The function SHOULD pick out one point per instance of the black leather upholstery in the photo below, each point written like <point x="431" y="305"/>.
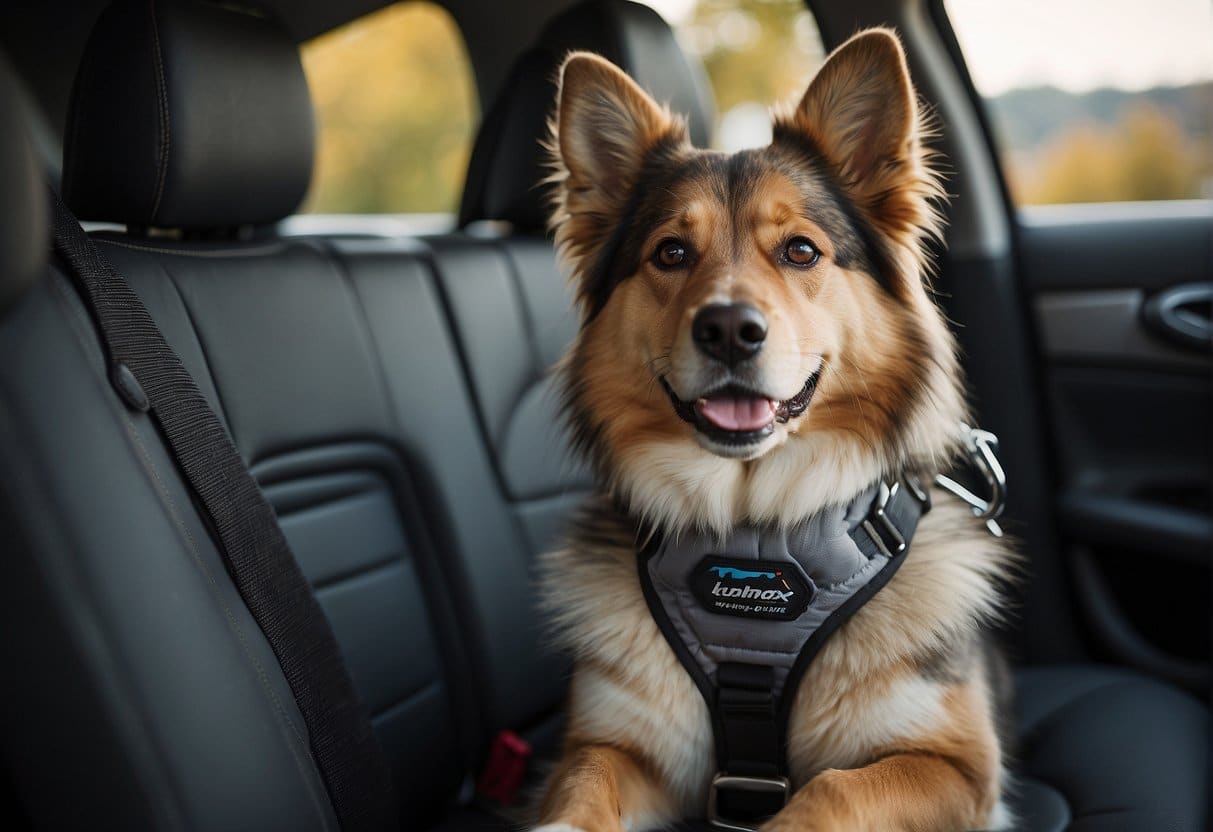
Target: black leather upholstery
<point x="147" y="695"/>
<point x="187" y="115"/>
<point x="1120" y="751"/>
<point x="23" y="207"/>
<point x="508" y="160"/>
<point x="287" y="336"/>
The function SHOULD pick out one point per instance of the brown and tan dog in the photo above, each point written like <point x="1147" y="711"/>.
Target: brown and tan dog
<point x="840" y="372"/>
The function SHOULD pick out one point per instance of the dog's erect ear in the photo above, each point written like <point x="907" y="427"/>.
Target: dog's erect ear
<point x="605" y="125"/>
<point x="861" y="112"/>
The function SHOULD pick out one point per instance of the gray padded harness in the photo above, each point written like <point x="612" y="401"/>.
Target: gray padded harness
<point x="746" y="616"/>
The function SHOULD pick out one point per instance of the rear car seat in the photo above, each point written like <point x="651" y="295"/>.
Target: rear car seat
<point x="397" y="419"/>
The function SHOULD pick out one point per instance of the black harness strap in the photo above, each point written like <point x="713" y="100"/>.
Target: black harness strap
<point x="150" y="377"/>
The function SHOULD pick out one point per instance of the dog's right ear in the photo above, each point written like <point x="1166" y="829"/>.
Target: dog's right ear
<point x="605" y="124"/>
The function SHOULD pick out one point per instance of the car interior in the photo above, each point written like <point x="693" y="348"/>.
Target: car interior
<point x="392" y="395"/>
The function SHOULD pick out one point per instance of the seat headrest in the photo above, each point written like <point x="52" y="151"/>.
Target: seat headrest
<point x="187" y="115"/>
<point x="24" y="220"/>
<point x="508" y="160"/>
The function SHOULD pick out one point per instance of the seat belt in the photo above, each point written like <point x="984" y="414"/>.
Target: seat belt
<point x="150" y="377"/>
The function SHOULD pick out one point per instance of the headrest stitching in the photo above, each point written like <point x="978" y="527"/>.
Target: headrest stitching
<point x="161" y="86"/>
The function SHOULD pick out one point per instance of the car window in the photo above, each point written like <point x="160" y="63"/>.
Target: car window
<point x="400" y="144"/>
<point x="396" y="108"/>
<point x="756" y="52"/>
<point x="1095" y="100"/>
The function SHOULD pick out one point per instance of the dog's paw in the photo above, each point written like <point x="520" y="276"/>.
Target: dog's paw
<point x="557" y="827"/>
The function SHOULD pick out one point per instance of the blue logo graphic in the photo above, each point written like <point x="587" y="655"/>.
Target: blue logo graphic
<point x="739" y="574"/>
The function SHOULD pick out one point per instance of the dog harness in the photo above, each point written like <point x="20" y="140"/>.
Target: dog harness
<point x="746" y="615"/>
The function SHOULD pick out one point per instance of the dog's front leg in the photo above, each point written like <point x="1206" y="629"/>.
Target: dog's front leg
<point x="922" y="792"/>
<point x="599" y="788"/>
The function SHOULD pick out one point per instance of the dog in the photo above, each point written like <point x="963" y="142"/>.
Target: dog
<point x="759" y="342"/>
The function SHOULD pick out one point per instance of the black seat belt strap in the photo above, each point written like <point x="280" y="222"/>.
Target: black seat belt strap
<point x="261" y="564"/>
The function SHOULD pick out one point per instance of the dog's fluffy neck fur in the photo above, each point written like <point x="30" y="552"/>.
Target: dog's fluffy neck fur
<point x="676" y="486"/>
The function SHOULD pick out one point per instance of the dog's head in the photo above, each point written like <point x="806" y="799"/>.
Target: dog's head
<point x="757" y="338"/>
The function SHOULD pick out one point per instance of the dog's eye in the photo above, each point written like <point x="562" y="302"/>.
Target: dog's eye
<point x="670" y="254"/>
<point x="800" y="252"/>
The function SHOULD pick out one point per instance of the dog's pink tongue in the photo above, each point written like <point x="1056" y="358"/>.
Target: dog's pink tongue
<point x="728" y="413"/>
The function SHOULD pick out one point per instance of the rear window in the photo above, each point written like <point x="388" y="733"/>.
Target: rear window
<point x="1095" y="100"/>
<point x="396" y="107"/>
<point x="756" y="52"/>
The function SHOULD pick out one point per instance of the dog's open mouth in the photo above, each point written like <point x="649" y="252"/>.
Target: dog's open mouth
<point x="737" y="416"/>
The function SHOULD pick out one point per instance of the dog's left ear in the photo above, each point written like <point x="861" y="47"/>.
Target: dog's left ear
<point x="861" y="112"/>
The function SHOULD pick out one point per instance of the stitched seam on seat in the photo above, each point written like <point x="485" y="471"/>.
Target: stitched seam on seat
<point x="359" y="572"/>
<point x="84" y="330"/>
<point x="424" y="556"/>
<point x="300" y="752"/>
<point x="1059" y="711"/>
<point x="221" y="410"/>
<point x="408" y="698"/>
<point x="320" y="502"/>
<point x="272" y="248"/>
<point x="262" y="676"/>
<point x="130" y="722"/>
<point x="529" y="325"/>
<point x="163" y="119"/>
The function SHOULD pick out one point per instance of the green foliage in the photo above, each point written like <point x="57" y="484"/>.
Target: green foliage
<point x="1144" y="155"/>
<point x="762" y="51"/>
<point x="396" y="106"/>
<point x="1106" y="145"/>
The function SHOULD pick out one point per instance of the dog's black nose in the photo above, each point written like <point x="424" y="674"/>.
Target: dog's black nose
<point x="729" y="332"/>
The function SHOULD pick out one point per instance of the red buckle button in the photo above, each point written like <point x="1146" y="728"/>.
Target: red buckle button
<point x="506" y="767"/>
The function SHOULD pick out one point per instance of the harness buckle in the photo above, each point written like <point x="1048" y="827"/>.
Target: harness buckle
<point x="758" y="799"/>
<point x="880" y="528"/>
<point x="981" y="450"/>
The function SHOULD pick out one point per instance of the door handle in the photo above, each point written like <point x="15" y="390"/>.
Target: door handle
<point x="1182" y="314"/>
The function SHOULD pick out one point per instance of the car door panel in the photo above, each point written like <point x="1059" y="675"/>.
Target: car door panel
<point x="1120" y="299"/>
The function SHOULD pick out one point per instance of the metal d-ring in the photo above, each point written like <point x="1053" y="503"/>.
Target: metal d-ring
<point x="981" y="448"/>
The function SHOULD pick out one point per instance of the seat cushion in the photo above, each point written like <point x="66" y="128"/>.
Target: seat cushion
<point x="1124" y="752"/>
<point x="1098" y="749"/>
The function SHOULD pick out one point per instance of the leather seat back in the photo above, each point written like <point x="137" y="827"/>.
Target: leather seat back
<point x="146" y="696"/>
